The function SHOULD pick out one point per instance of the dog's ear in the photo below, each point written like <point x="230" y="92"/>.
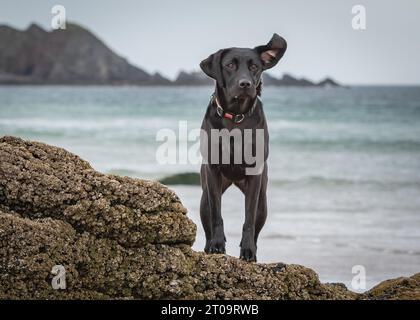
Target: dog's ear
<point x="272" y="52"/>
<point x="212" y="66"/>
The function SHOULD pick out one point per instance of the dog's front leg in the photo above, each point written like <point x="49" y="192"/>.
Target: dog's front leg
<point x="214" y="189"/>
<point x="252" y="191"/>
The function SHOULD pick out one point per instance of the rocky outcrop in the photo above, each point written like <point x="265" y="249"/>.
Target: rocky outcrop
<point x="403" y="288"/>
<point x="198" y="78"/>
<point x="70" y="56"/>
<point x="194" y="78"/>
<point x="288" y="80"/>
<point x="40" y="181"/>
<point x="118" y="237"/>
<point x="184" y="178"/>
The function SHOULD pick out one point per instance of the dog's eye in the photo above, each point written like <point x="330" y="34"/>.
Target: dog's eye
<point x="253" y="67"/>
<point x="231" y="65"/>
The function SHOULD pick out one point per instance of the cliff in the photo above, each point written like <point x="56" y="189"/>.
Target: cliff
<point x="70" y="56"/>
<point x="119" y="237"/>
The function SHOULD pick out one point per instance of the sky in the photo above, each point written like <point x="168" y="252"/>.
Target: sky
<point x="169" y="35"/>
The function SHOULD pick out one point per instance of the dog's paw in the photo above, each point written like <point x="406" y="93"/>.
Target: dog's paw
<point x="249" y="255"/>
<point x="217" y="246"/>
<point x="207" y="247"/>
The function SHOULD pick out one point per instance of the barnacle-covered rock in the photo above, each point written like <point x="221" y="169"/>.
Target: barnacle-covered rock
<point x="102" y="268"/>
<point x="37" y="181"/>
<point x="120" y="238"/>
<point x="403" y="288"/>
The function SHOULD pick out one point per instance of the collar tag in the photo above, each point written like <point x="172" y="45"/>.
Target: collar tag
<point x="228" y="115"/>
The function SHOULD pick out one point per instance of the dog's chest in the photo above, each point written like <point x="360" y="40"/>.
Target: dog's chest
<point x="236" y="145"/>
<point x="233" y="172"/>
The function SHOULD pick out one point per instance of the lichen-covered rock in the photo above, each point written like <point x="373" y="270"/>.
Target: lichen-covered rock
<point x="37" y="180"/>
<point x="403" y="288"/>
<point x="102" y="268"/>
<point x="118" y="238"/>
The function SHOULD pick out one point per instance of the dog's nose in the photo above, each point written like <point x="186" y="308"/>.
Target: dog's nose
<point x="244" y="83"/>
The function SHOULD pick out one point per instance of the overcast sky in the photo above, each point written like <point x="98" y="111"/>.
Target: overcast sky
<point x="170" y="35"/>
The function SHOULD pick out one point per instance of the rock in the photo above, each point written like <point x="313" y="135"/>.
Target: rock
<point x="99" y="267"/>
<point x="40" y="181"/>
<point x="328" y="82"/>
<point x="186" y="178"/>
<point x="70" y="56"/>
<point x="194" y="78"/>
<point x="290" y="81"/>
<point x="403" y="288"/>
<point x="119" y="238"/>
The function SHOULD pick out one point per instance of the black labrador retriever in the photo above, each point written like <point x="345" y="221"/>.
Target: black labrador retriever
<point x="235" y="107"/>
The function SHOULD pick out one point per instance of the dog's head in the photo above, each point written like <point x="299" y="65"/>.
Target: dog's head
<point x="237" y="71"/>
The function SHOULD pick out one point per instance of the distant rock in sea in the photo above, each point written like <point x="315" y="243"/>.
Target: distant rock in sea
<point x="70" y="56"/>
<point x="193" y="78"/>
<point x="289" y="81"/>
<point x="328" y="82"/>
<point x="187" y="178"/>
<point x="198" y="78"/>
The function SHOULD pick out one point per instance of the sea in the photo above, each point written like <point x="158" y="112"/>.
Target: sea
<point x="344" y="165"/>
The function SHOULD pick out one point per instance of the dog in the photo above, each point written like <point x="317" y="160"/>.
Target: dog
<point x="235" y="106"/>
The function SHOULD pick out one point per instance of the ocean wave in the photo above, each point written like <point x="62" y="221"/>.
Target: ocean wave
<point x="97" y="124"/>
<point x="341" y="244"/>
<point x="409" y="145"/>
<point x="125" y="172"/>
<point x="335" y="182"/>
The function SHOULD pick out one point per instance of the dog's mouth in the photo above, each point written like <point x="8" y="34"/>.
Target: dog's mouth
<point x="244" y="94"/>
<point x="242" y="98"/>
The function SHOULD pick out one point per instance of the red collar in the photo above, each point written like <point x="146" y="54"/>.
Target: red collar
<point x="236" y="118"/>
